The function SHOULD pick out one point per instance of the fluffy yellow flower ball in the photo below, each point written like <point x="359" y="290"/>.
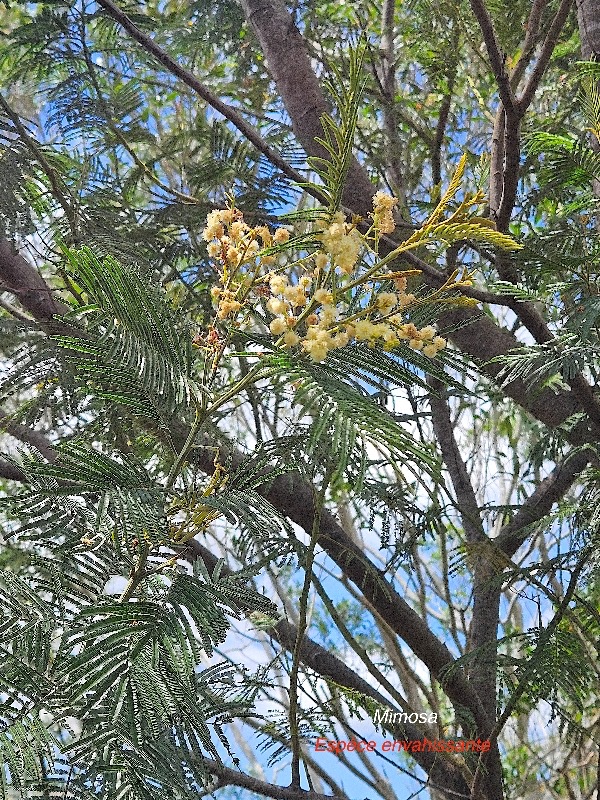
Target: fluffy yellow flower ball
<point x="281" y="236"/>
<point x="278" y="326"/>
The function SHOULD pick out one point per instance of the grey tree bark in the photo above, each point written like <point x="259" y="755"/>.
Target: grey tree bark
<point x="588" y="20"/>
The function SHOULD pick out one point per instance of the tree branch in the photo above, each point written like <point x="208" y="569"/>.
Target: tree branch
<point x="511" y="171"/>
<point x="465" y="495"/>
<point x="526" y="674"/>
<point x="588" y="18"/>
<point x="14" y="312"/>
<point x="532" y="36"/>
<point x="36" y="439"/>
<point x="440" y="132"/>
<point x="512" y="147"/>
<point x="497" y="163"/>
<point x="21" y="279"/>
<point x="497" y="59"/>
<point x="481" y="338"/>
<point x="332" y="668"/>
<point x="543" y="640"/>
<point x="539" y="503"/>
<point x="300" y="90"/>
<point x="440" y="128"/>
<point x="202" y="91"/>
<point x="486" y="592"/>
<point x="290" y="495"/>
<point x="390" y="120"/>
<point x="59" y="190"/>
<point x="11" y="472"/>
<point x="544" y="58"/>
<point x="231" y="777"/>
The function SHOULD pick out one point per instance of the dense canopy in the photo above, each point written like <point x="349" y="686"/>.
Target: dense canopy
<point x="299" y="325"/>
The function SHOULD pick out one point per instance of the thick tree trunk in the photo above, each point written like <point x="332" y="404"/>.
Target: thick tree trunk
<point x="289" y="64"/>
<point x="588" y="19"/>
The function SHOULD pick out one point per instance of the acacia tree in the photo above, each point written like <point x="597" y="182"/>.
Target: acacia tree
<point x="354" y="447"/>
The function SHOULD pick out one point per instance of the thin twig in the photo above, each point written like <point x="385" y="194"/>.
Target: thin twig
<point x="181" y="196"/>
<point x="538" y="504"/>
<point x="58" y="190"/>
<point x="390" y="120"/>
<point x="440" y="128"/>
<point x="137" y="575"/>
<point x="359" y="650"/>
<point x="231" y="777"/>
<point x="466" y="501"/>
<point x="14" y="312"/>
<point x="532" y="36"/>
<point x="318" y="500"/>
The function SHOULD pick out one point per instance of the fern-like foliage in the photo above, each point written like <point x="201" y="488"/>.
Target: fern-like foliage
<point x="127" y="673"/>
<point x="346" y="92"/>
<point x="113" y="688"/>
<point x="140" y="342"/>
<point x="106" y="628"/>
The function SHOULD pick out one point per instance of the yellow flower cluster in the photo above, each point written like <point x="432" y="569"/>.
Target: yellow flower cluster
<point x="321" y="331"/>
<point x="383" y="206"/>
<point x="328" y="327"/>
<point x="395" y="330"/>
<point x="233" y="243"/>
<point x="342" y="242"/>
<point x="231" y="240"/>
<point x="311" y="310"/>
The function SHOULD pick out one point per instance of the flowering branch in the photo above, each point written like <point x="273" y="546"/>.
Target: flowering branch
<point x="338" y="292"/>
